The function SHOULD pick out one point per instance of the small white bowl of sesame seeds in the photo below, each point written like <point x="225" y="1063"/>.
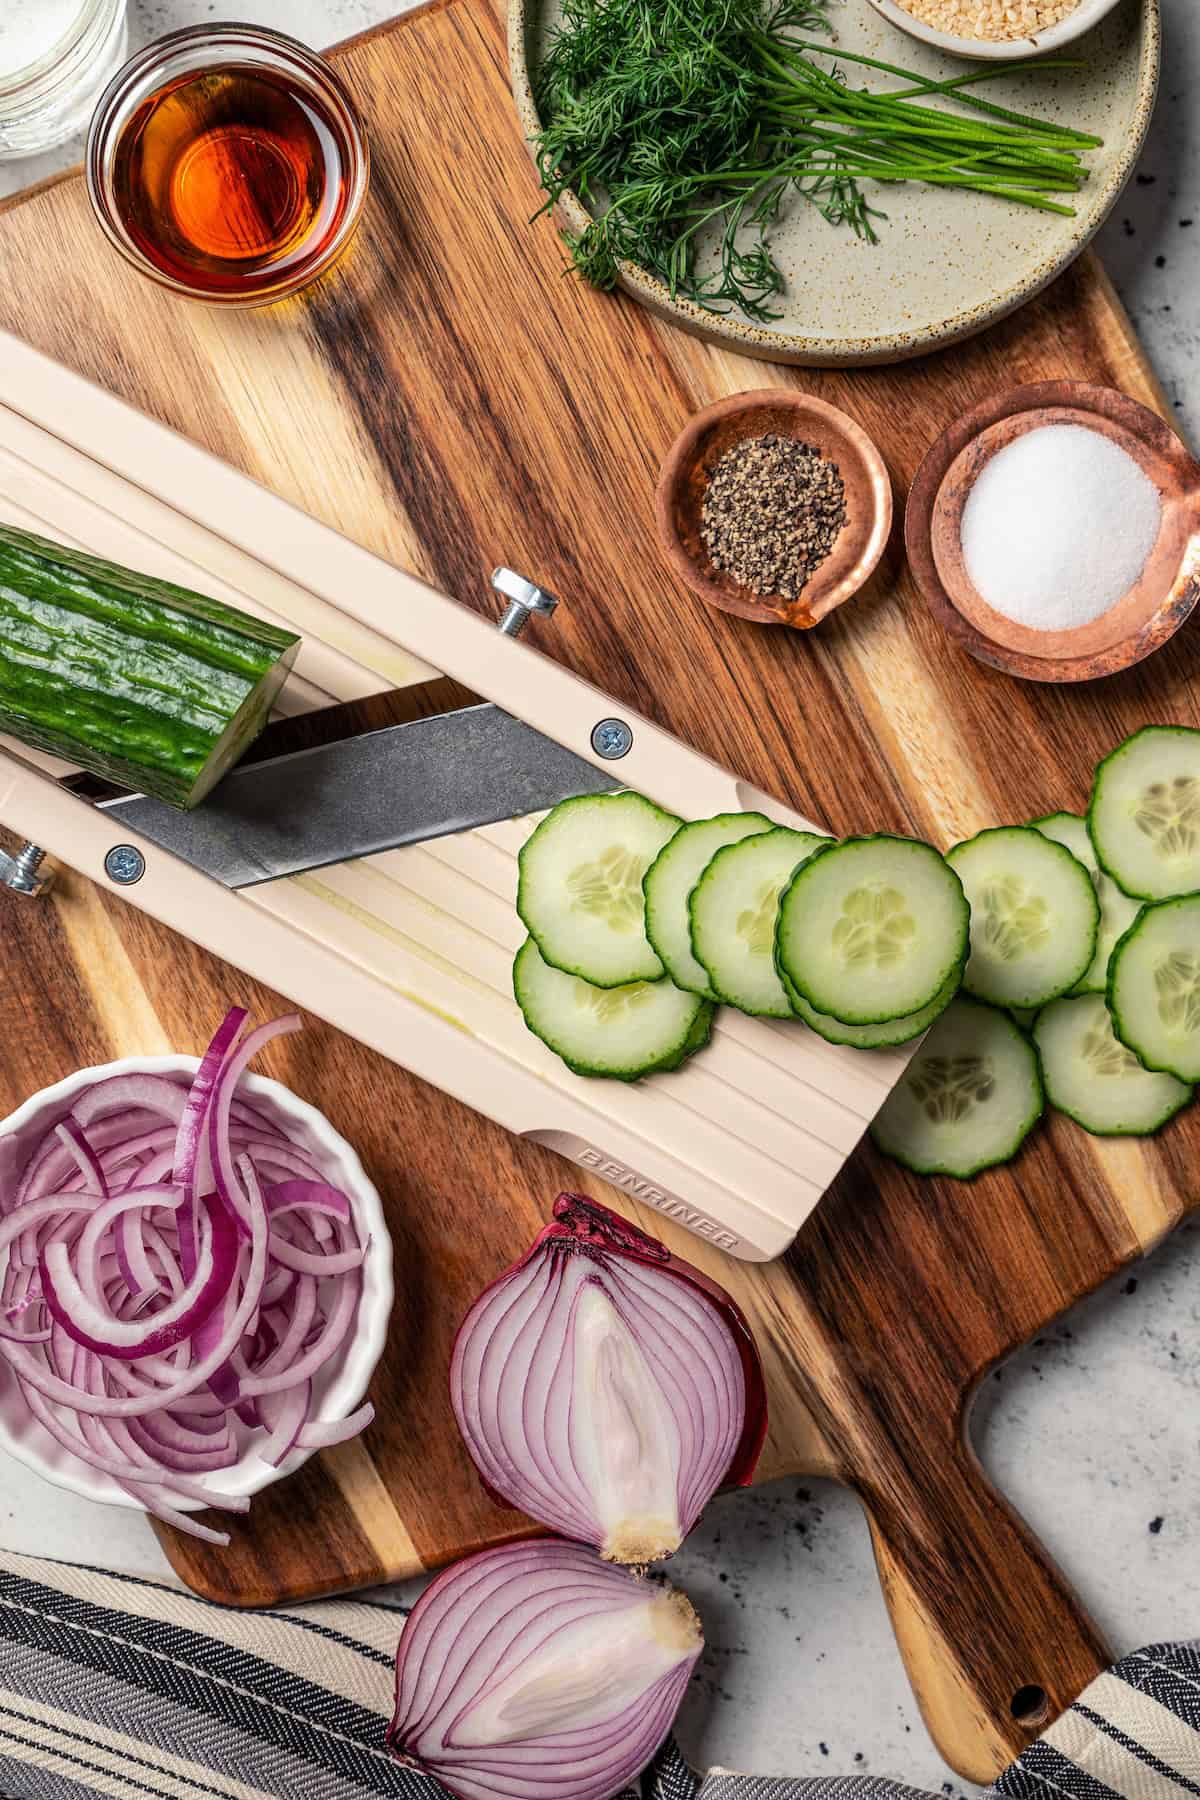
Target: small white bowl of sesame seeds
<point x="995" y="30"/>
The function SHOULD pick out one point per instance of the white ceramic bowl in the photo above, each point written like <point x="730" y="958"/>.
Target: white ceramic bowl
<point x="338" y="1389"/>
<point x="1043" y="43"/>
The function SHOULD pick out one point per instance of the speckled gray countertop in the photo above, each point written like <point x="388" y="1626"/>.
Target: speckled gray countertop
<point x="1093" y="1431"/>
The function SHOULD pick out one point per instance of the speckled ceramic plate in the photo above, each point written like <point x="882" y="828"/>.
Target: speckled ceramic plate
<point x="948" y="262"/>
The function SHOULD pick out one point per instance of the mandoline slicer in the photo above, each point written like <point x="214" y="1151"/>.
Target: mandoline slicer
<point x="411" y="950"/>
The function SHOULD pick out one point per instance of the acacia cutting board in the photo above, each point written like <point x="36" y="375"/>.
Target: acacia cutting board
<point x="450" y="400"/>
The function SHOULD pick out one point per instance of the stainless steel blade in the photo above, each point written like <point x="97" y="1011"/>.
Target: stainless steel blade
<point x="425" y="779"/>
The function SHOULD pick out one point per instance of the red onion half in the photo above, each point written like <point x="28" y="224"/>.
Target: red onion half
<point x="540" y="1671"/>
<point x="174" y="1274"/>
<point x="607" y="1388"/>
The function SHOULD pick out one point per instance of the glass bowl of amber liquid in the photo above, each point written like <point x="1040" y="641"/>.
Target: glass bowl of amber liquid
<point x="228" y="163"/>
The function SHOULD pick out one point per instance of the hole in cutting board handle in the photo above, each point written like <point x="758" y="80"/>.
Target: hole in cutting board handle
<point x="1030" y="1706"/>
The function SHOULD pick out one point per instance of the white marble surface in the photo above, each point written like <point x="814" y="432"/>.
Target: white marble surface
<point x="1092" y="1431"/>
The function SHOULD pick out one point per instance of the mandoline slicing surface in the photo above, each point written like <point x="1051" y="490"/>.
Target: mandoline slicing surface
<point x="449" y="400"/>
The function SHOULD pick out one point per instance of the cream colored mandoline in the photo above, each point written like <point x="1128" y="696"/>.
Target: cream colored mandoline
<point x="411" y="951"/>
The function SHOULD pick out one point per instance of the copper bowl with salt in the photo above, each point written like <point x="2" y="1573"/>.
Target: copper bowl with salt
<point x="786" y="412"/>
<point x="1138" y="623"/>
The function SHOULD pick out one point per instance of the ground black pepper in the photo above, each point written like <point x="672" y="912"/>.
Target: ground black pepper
<point x="772" y="512"/>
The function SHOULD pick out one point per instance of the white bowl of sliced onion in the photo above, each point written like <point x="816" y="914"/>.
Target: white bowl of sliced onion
<point x="174" y="1344"/>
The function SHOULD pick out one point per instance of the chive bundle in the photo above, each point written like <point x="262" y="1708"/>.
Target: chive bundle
<point x="685" y="124"/>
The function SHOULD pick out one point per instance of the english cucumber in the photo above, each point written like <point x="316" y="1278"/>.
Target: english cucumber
<point x="871" y="1037"/>
<point x="1117" y="910"/>
<point x="1154" y="987"/>
<point x="619" y="1032"/>
<point x="580" y="889"/>
<point x="873" y="929"/>
<point x="733" y="909"/>
<point x="668" y="886"/>
<point x="969" y="1098"/>
<point x="147" y="684"/>
<point x="1144" y="817"/>
<point x="1034" y="916"/>
<point x="1096" y="1080"/>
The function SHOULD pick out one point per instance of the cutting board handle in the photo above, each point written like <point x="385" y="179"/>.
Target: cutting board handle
<point x="995" y="1643"/>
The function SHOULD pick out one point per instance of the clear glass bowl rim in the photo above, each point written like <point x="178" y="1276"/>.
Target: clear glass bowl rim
<point x="231" y="42"/>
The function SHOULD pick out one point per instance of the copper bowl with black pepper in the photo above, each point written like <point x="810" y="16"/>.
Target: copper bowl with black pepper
<point x="773" y="513"/>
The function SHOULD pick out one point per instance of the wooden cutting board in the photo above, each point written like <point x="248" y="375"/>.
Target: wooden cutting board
<point x="449" y="399"/>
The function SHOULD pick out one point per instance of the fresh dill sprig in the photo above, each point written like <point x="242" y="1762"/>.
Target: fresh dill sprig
<point x="684" y="125"/>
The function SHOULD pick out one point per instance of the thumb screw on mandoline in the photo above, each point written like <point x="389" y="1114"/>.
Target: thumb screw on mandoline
<point x="23" y="873"/>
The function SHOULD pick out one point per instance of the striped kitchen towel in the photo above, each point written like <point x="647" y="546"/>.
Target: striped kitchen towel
<point x="114" y="1688"/>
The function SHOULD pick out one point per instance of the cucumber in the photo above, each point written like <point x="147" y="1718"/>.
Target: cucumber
<point x="697" y="1037"/>
<point x="147" y="684"/>
<point x="1035" y="917"/>
<point x="732" y="910"/>
<point x="1144" y="817"/>
<point x="871" y="1037"/>
<point x="668" y="885"/>
<point x="1117" y="910"/>
<point x="620" y="1032"/>
<point x="1154" y="987"/>
<point x="873" y="929"/>
<point x="1097" y="1081"/>
<point x="580" y="889"/>
<point x="969" y="1098"/>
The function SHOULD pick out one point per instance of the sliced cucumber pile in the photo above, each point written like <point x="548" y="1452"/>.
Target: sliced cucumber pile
<point x="1117" y="910"/>
<point x="873" y="929"/>
<point x="969" y="1098"/>
<point x="668" y="888"/>
<point x="580" y="891"/>
<point x="1076" y="942"/>
<point x="1154" y="987"/>
<point x="1034" y="916"/>
<point x="622" y="1032"/>
<point x="1094" y="1079"/>
<point x="733" y="910"/>
<point x="1144" y="819"/>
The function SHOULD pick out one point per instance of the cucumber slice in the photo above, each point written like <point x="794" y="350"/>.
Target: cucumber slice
<point x="1117" y="910"/>
<point x="1034" y="916"/>
<point x="969" y="1098"/>
<point x="1144" y="818"/>
<point x="1154" y="987"/>
<point x="580" y="889"/>
<point x="871" y="1037"/>
<point x="873" y="929"/>
<point x="697" y="1037"/>
<point x="621" y="1032"/>
<point x="733" y="908"/>
<point x="669" y="883"/>
<point x="1094" y="1079"/>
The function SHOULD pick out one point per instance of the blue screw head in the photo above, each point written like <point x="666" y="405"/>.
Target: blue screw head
<point x="124" y="864"/>
<point x="612" y="738"/>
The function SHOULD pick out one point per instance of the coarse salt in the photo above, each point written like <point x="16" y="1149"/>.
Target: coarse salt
<point x="1058" y="527"/>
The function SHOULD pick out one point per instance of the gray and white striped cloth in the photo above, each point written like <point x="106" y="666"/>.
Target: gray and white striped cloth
<point x="115" y="1688"/>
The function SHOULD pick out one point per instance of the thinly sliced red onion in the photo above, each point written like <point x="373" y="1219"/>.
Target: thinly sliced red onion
<point x="538" y="1670"/>
<point x="164" y="1248"/>
<point x="105" y="1334"/>
<point x="607" y="1388"/>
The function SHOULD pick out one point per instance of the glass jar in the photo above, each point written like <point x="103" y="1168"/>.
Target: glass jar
<point x="55" y="57"/>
